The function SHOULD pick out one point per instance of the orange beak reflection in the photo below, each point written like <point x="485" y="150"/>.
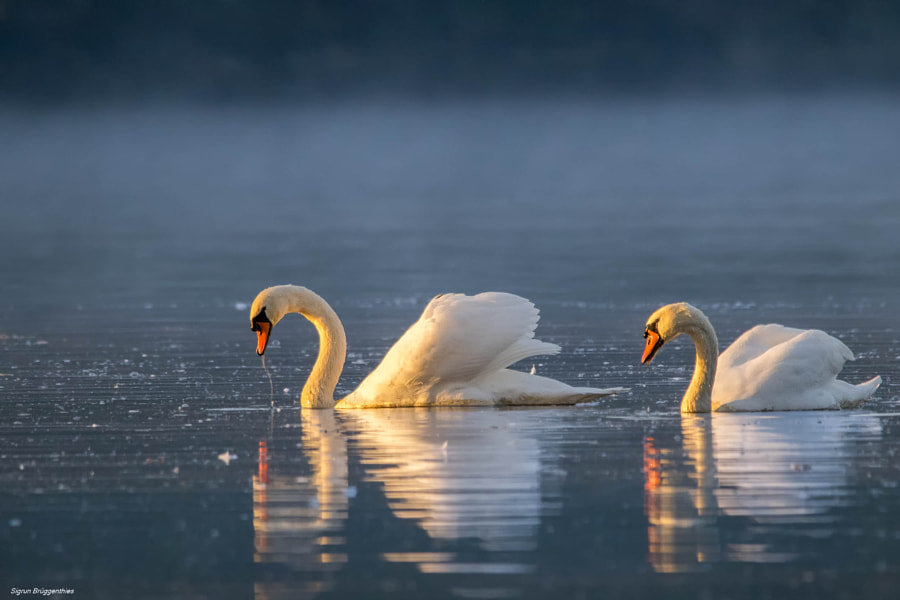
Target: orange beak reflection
<point x="654" y="343"/>
<point x="262" y="336"/>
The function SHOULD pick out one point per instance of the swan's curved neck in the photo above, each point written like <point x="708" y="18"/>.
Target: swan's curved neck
<point x="698" y="397"/>
<point x="318" y="392"/>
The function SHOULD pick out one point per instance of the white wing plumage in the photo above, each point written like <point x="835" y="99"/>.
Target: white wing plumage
<point x="755" y="342"/>
<point x="456" y="351"/>
<point x="772" y="367"/>
<point x="462" y="337"/>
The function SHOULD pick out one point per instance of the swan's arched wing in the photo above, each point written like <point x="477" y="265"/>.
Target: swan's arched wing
<point x="811" y="358"/>
<point x="756" y="341"/>
<point x="460" y="338"/>
<point x="796" y="373"/>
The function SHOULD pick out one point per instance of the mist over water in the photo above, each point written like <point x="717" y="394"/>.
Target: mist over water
<point x="775" y="198"/>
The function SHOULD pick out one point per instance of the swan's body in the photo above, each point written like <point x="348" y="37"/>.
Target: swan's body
<point x="769" y="367"/>
<point x="456" y="354"/>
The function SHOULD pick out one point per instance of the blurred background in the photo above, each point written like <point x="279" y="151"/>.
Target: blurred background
<point x="163" y="161"/>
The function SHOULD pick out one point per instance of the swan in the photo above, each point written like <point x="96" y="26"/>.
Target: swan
<point x="456" y="354"/>
<point x="769" y="367"/>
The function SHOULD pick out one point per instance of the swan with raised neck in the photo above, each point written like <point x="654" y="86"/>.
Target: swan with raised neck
<point x="456" y="354"/>
<point x="769" y="367"/>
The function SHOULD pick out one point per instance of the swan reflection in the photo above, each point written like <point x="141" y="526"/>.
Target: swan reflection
<point x="788" y="470"/>
<point x="455" y="474"/>
<point x="298" y="518"/>
<point x="679" y="501"/>
<point x="472" y="481"/>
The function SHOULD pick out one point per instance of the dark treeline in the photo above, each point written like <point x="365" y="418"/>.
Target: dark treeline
<point x="54" y="49"/>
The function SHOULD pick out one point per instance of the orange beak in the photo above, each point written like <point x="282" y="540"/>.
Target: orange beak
<point x="262" y="336"/>
<point x="654" y="343"/>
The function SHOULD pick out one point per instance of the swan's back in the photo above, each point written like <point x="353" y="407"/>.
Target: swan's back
<point x="772" y="367"/>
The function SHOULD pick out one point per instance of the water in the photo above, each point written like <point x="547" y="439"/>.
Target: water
<point x="138" y="452"/>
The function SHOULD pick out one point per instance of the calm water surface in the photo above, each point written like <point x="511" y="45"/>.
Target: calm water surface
<point x="139" y="456"/>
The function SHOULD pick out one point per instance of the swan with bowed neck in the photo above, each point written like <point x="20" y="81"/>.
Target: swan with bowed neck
<point x="769" y="367"/>
<point x="456" y="354"/>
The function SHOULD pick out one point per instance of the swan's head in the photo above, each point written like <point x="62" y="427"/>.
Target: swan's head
<point x="667" y="323"/>
<point x="267" y="310"/>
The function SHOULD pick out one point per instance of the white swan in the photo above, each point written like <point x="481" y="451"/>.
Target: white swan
<point x="456" y="354"/>
<point x="769" y="367"/>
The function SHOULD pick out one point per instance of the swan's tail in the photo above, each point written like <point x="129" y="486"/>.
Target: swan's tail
<point x="581" y="395"/>
<point x="600" y="392"/>
<point x="556" y="397"/>
<point x="864" y="392"/>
